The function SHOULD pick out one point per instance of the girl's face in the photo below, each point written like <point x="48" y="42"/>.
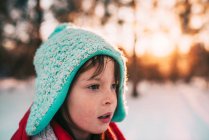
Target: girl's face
<point x="92" y="101"/>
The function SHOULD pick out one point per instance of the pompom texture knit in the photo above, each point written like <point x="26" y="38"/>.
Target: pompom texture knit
<point x="57" y="62"/>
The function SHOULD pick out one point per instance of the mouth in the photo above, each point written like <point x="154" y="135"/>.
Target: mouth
<point x="105" y="118"/>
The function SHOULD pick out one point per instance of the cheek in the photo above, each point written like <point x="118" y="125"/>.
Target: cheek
<point x="83" y="113"/>
<point x="115" y="102"/>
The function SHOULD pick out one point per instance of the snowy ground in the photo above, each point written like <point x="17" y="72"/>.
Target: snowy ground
<point x="162" y="112"/>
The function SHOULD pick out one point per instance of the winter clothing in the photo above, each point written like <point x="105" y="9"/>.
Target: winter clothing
<point x="57" y="62"/>
<point x="55" y="132"/>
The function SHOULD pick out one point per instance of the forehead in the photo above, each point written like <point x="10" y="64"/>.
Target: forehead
<point x="107" y="70"/>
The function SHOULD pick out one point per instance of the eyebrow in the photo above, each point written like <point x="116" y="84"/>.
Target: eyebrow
<point x="94" y="78"/>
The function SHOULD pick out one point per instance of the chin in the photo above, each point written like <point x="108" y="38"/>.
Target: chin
<point x="100" y="130"/>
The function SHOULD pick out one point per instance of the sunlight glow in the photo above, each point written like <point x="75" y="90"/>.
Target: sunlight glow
<point x="196" y="21"/>
<point x="185" y="43"/>
<point x="9" y="29"/>
<point x="9" y="45"/>
<point x="141" y="49"/>
<point x="47" y="28"/>
<point x="86" y="4"/>
<point x="158" y="45"/>
<point x="99" y="11"/>
<point x="45" y="4"/>
<point x="158" y="29"/>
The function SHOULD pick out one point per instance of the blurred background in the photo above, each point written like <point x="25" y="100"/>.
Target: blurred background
<point x="166" y="43"/>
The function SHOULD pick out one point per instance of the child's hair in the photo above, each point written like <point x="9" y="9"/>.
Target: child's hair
<point x="58" y="62"/>
<point x="99" y="62"/>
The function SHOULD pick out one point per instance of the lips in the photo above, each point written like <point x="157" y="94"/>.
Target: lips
<point x="105" y="118"/>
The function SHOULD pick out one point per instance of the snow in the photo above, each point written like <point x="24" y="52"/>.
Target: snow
<point x="168" y="112"/>
<point x="162" y="111"/>
<point x="15" y="98"/>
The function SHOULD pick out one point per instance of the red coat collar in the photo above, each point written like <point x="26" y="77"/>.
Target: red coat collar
<point x="112" y="133"/>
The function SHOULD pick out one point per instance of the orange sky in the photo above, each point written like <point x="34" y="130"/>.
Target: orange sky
<point x="158" y="29"/>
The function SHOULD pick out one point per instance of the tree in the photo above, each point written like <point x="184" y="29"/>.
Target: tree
<point x="134" y="74"/>
<point x="20" y="37"/>
<point x="199" y="61"/>
<point x="174" y="75"/>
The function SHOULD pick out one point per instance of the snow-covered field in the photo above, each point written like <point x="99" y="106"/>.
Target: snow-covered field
<point x="162" y="111"/>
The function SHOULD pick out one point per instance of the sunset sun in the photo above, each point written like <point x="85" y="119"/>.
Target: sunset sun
<point x="158" y="45"/>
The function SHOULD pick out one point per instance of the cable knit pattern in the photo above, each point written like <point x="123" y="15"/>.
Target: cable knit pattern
<point x="56" y="63"/>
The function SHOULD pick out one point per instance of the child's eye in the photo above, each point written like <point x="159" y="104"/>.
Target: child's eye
<point x="94" y="87"/>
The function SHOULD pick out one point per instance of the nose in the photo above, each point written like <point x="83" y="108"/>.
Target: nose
<point x="107" y="101"/>
<point x="109" y="97"/>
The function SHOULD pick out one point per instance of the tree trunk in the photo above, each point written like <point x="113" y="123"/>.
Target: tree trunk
<point x="134" y="64"/>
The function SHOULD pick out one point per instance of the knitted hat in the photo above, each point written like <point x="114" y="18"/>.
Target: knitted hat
<point x="57" y="62"/>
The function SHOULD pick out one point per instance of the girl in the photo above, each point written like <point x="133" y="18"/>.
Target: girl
<point x="79" y="89"/>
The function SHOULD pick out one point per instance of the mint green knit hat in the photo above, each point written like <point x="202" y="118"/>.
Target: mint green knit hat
<point x="57" y="62"/>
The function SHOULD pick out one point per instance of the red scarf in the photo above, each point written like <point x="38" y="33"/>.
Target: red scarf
<point x="112" y="133"/>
